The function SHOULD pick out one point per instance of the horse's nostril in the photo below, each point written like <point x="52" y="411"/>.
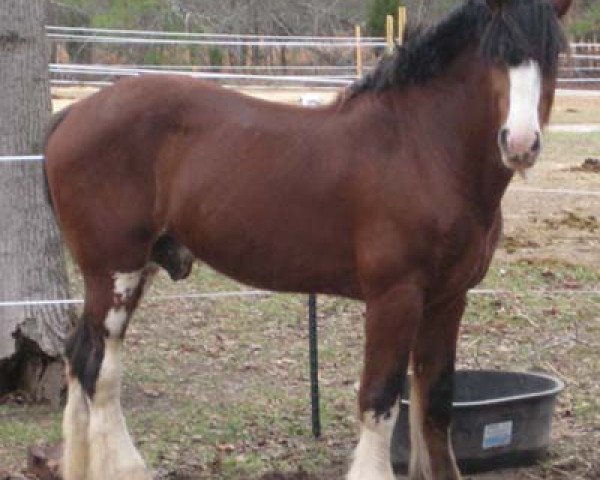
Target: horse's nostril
<point x="504" y="138"/>
<point x="537" y="145"/>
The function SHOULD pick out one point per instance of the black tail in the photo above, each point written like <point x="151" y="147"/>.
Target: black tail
<point x="53" y="124"/>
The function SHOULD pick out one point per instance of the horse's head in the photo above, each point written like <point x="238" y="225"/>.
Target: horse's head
<point x="524" y="40"/>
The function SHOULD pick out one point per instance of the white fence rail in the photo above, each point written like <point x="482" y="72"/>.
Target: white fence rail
<point x="51" y="29"/>
<point x="96" y="35"/>
<point x="582" y="64"/>
<point x="580" y="67"/>
<point x="145" y="37"/>
<point x="119" y="71"/>
<point x="212" y="42"/>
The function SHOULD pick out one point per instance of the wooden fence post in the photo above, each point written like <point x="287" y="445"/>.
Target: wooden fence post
<point x="359" y="60"/>
<point x="401" y="24"/>
<point x="389" y="33"/>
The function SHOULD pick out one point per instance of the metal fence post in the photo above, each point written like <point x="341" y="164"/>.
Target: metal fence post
<point x="314" y="364"/>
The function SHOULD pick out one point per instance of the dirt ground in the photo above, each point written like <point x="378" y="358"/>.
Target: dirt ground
<point x="218" y="388"/>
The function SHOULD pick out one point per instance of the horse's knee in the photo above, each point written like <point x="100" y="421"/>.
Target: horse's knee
<point x="171" y="255"/>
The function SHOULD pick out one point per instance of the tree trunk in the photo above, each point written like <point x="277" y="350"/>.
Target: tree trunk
<point x="31" y="253"/>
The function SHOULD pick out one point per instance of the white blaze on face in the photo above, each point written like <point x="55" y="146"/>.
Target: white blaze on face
<point x="522" y="128"/>
<point x="372" y="455"/>
<point x="525" y="95"/>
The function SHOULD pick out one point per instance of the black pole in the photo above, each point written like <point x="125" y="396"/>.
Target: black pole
<point x="314" y="364"/>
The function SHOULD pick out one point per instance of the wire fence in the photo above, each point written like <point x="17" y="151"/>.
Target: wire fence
<point x="54" y="29"/>
<point x="21" y="158"/>
<point x="213" y="42"/>
<point x="582" y="64"/>
<point x="121" y="71"/>
<point x="265" y="293"/>
<point x="581" y="70"/>
<point x="254" y="293"/>
<point x="580" y="67"/>
<point x="160" y="298"/>
<point x="210" y="52"/>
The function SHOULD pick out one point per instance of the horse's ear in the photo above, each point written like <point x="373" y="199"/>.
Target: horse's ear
<point x="494" y="4"/>
<point x="562" y="7"/>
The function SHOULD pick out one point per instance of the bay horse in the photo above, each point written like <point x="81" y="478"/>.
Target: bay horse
<point x="390" y="195"/>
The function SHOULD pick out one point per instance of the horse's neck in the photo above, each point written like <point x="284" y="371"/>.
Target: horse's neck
<point x="454" y="119"/>
<point x="469" y="111"/>
<point x="490" y="176"/>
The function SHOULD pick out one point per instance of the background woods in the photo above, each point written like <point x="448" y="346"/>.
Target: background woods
<point x="268" y="17"/>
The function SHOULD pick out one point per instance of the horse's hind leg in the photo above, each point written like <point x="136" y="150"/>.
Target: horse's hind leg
<point x="392" y="318"/>
<point x="97" y="444"/>
<point x="76" y="420"/>
<point x="432" y="386"/>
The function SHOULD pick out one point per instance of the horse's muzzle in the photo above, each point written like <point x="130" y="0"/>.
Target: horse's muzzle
<point x="519" y="151"/>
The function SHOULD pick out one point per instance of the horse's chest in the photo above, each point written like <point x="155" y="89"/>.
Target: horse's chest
<point x="466" y="253"/>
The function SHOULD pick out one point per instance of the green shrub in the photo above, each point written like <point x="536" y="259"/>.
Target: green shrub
<point x="378" y="11"/>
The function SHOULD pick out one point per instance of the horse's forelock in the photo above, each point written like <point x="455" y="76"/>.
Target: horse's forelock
<point x="524" y="29"/>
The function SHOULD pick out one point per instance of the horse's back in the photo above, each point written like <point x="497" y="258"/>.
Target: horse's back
<point x="239" y="181"/>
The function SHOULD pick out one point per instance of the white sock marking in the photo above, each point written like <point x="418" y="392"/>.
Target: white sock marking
<point x="372" y="455"/>
<point x="113" y="455"/>
<point x="115" y="321"/>
<point x="75" y="431"/>
<point x="420" y="461"/>
<point x="525" y="96"/>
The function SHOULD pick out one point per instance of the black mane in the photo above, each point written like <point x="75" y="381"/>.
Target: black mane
<point x="522" y="29"/>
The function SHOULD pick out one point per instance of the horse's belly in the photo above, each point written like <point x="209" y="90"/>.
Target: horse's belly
<point x="266" y="258"/>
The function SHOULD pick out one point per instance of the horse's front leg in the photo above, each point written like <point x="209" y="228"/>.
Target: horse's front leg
<point x="432" y="389"/>
<point x="97" y="444"/>
<point x="392" y="318"/>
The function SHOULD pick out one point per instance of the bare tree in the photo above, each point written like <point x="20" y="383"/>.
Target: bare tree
<point x="294" y="17"/>
<point x="427" y="12"/>
<point x="31" y="254"/>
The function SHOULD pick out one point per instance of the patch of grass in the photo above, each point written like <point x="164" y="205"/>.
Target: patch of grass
<point x="24" y="428"/>
<point x="576" y="110"/>
<point x="245" y="439"/>
<point x="561" y="147"/>
<point x="526" y="275"/>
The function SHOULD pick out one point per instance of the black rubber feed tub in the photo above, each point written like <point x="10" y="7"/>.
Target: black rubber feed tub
<point x="499" y="419"/>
